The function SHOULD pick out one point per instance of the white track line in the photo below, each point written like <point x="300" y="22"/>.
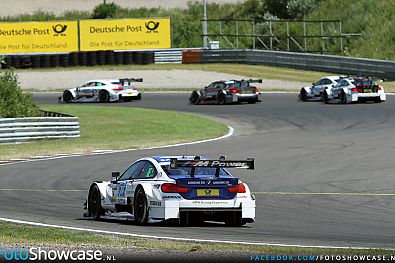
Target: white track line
<point x="174" y="238"/>
<point x="101" y="152"/>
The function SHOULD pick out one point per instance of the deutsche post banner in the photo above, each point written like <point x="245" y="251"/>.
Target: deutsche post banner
<point x="125" y="34"/>
<point x="38" y="37"/>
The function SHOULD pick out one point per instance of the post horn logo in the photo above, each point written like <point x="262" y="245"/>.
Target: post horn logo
<point x="207" y="191"/>
<point x="59" y="29"/>
<point x="152" y="26"/>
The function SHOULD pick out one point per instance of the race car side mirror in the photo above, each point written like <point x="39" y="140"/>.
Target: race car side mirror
<point x="114" y="176"/>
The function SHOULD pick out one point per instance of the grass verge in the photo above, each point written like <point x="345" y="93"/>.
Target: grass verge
<point x="16" y="233"/>
<point x="112" y="128"/>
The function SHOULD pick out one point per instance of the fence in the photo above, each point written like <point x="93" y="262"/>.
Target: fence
<point x="325" y="63"/>
<point x="15" y="130"/>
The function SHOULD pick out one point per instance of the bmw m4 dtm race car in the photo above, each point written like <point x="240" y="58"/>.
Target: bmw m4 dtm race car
<point x="314" y="92"/>
<point x="354" y="89"/>
<point x="103" y="90"/>
<point x="228" y="91"/>
<point x="176" y="189"/>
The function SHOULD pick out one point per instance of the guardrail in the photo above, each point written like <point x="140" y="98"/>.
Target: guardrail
<point x="326" y="63"/>
<point x="168" y="56"/>
<point x="15" y="130"/>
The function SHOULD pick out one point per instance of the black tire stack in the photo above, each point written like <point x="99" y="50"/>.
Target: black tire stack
<point x="101" y="57"/>
<point x="45" y="61"/>
<point x="128" y="58"/>
<point x="92" y="59"/>
<point x="83" y="58"/>
<point x="118" y="58"/>
<point x="110" y="57"/>
<point x="36" y="61"/>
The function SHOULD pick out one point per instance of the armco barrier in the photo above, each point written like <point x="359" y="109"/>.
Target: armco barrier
<point x="325" y="63"/>
<point x="13" y="130"/>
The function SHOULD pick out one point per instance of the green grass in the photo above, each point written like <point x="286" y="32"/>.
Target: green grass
<point x="16" y="233"/>
<point x="119" y="128"/>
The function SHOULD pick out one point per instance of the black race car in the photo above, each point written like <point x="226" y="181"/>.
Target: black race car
<point x="228" y="91"/>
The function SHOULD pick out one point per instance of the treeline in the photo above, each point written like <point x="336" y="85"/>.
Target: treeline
<point x="373" y="19"/>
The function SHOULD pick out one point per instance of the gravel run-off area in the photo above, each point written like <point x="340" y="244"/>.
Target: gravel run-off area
<point x="155" y="79"/>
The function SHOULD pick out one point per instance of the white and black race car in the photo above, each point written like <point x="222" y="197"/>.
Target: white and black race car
<point x="314" y="92"/>
<point x="103" y="90"/>
<point x="177" y="189"/>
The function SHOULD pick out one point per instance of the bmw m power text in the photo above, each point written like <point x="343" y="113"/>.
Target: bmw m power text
<point x="176" y="189"/>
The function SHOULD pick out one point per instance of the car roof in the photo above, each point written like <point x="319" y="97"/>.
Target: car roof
<point x="333" y="77"/>
<point x="108" y="81"/>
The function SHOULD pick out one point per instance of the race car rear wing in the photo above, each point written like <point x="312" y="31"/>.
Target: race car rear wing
<point x="218" y="164"/>
<point x="126" y="81"/>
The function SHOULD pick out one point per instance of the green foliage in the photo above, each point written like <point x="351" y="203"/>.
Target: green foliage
<point x="13" y="102"/>
<point x="105" y="11"/>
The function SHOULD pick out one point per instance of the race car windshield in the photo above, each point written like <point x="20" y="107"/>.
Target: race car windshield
<point x="199" y="171"/>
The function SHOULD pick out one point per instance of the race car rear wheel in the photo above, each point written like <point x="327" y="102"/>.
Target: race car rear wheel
<point x="303" y="95"/>
<point x="234" y="219"/>
<point x="94" y="203"/>
<point x="221" y="99"/>
<point x="138" y="97"/>
<point x="104" y="96"/>
<point x="140" y="207"/>
<point x="342" y="97"/>
<point x="195" y="98"/>
<point x="324" y="97"/>
<point x="67" y="96"/>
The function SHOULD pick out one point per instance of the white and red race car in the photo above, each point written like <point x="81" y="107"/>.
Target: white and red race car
<point x="103" y="90"/>
<point x="354" y="89"/>
<point x="177" y="189"/>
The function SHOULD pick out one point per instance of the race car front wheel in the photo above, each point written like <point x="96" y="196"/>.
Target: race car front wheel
<point x="343" y="97"/>
<point x="104" y="96"/>
<point x="67" y="96"/>
<point x="195" y="98"/>
<point x="94" y="203"/>
<point x="303" y="95"/>
<point x="140" y="207"/>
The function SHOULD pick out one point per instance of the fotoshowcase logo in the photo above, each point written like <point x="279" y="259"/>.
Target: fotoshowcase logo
<point x="40" y="254"/>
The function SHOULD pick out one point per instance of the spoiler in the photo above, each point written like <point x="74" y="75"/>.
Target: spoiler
<point x="250" y="80"/>
<point x="221" y="163"/>
<point x="128" y="81"/>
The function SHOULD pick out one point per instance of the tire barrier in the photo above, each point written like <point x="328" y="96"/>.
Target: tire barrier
<point x="64" y="60"/>
<point x="148" y="58"/>
<point x="128" y="58"/>
<point x="16" y="62"/>
<point x="73" y="59"/>
<point x="92" y="60"/>
<point x="7" y="62"/>
<point x="36" y="61"/>
<point x="55" y="60"/>
<point x="101" y="57"/>
<point x="45" y="61"/>
<point x="138" y="58"/>
<point x="83" y="58"/>
<point x="118" y="56"/>
<point x="110" y="57"/>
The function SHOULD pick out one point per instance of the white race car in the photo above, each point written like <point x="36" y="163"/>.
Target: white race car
<point x="103" y="90"/>
<point x="314" y="92"/>
<point x="354" y="89"/>
<point x="177" y="189"/>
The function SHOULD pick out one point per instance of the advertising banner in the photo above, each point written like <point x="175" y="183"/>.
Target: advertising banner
<point x="125" y="34"/>
<point x="38" y="37"/>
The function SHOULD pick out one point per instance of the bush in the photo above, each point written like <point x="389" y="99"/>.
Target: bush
<point x="13" y="102"/>
<point x="105" y="11"/>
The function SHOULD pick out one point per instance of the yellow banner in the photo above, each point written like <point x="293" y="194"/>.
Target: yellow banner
<point x="39" y="37"/>
<point x="125" y="34"/>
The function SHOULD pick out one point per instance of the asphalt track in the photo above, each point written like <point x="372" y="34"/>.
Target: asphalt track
<point x="323" y="177"/>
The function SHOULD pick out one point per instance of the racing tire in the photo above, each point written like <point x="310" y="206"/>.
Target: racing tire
<point x="94" y="203"/>
<point x="221" y="99"/>
<point x="195" y="100"/>
<point x="324" y="97"/>
<point x="140" y="207"/>
<point x="252" y="101"/>
<point x="127" y="99"/>
<point x="342" y="97"/>
<point x="303" y="95"/>
<point x="378" y="100"/>
<point x="235" y="219"/>
<point x="104" y="96"/>
<point x="67" y="96"/>
<point x="138" y="97"/>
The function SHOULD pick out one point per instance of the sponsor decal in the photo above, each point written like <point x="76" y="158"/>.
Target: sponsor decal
<point x="171" y="197"/>
<point x="152" y="26"/>
<point x="155" y="203"/>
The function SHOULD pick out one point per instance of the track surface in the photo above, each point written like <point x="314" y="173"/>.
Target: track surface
<point x="299" y="148"/>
